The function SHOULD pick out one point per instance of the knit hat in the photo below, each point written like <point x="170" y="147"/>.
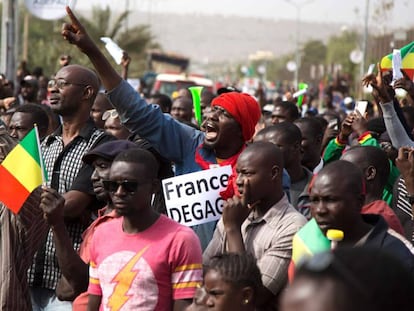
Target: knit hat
<point x="243" y="108"/>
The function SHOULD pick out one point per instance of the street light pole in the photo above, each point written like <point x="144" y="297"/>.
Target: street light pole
<point x="297" y="50"/>
<point x="9" y="39"/>
<point x="364" y="40"/>
<point x="298" y="7"/>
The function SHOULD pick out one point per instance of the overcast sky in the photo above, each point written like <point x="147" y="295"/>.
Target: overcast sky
<point x="339" y="11"/>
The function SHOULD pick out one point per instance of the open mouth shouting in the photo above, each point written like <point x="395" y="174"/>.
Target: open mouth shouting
<point x="211" y="131"/>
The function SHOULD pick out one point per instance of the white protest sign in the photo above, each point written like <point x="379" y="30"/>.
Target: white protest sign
<point x="49" y="9"/>
<point x="113" y="49"/>
<point x="194" y="198"/>
<point x="396" y="66"/>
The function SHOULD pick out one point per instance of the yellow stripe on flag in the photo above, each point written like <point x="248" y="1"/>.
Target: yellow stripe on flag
<point x="407" y="62"/>
<point x="299" y="249"/>
<point x="23" y="167"/>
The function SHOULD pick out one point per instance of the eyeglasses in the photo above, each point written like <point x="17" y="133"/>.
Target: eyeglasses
<point x="110" y="114"/>
<point x="128" y="185"/>
<point x="327" y="261"/>
<point x="221" y="111"/>
<point x="60" y="84"/>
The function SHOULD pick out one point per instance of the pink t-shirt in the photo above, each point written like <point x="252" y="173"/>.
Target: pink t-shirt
<point x="147" y="270"/>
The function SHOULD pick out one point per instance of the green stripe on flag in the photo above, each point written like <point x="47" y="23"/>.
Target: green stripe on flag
<point x="29" y="143"/>
<point x="313" y="237"/>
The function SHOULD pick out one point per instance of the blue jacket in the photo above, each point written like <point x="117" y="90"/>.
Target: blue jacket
<point x="172" y="139"/>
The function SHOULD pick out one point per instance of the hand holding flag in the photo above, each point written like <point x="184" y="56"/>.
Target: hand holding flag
<point x="21" y="172"/>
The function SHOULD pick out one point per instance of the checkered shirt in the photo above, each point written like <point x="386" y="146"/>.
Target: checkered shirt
<point x="62" y="164"/>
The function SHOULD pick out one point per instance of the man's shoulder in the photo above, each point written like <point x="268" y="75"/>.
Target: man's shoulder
<point x="383" y="237"/>
<point x="107" y="227"/>
<point x="99" y="136"/>
<point x="288" y="222"/>
<point x="293" y="218"/>
<point x="290" y="215"/>
<point x="171" y="226"/>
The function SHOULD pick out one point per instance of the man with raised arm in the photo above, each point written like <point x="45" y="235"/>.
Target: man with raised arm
<point x="227" y="129"/>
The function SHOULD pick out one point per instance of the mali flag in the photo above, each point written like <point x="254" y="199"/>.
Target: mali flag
<point x="21" y="172"/>
<point x="407" y="58"/>
<point x="308" y="241"/>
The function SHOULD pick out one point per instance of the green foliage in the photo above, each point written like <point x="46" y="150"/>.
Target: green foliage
<point x="45" y="43"/>
<point x="314" y="53"/>
<point x="338" y="50"/>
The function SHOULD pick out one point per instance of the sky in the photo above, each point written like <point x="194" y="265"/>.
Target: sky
<point x="347" y="12"/>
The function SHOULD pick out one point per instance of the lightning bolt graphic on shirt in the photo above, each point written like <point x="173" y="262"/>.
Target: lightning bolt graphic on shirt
<point x="124" y="279"/>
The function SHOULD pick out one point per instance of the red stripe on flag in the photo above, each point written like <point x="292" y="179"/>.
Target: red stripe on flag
<point x="12" y="192"/>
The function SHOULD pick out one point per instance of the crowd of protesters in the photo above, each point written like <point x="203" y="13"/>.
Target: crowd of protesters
<point x="97" y="235"/>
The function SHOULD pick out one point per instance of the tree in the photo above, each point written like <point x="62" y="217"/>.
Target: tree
<point x="136" y="41"/>
<point x="46" y="44"/>
<point x="338" y="50"/>
<point x="314" y="54"/>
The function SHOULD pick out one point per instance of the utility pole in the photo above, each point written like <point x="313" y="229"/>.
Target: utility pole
<point x="298" y="7"/>
<point x="9" y="39"/>
<point x="364" y="40"/>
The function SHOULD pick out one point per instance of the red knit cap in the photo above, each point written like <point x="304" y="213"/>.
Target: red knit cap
<point x="243" y="108"/>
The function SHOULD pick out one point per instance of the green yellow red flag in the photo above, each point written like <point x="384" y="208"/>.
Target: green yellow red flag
<point x="308" y="241"/>
<point x="21" y="172"/>
<point x="407" y="58"/>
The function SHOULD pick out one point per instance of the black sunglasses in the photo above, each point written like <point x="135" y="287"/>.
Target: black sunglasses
<point x="128" y="185"/>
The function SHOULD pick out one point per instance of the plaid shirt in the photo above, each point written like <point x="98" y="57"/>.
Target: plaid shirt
<point x="268" y="239"/>
<point x="63" y="164"/>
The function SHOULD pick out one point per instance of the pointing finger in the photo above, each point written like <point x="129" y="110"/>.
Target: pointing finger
<point x="73" y="18"/>
<point x="246" y="193"/>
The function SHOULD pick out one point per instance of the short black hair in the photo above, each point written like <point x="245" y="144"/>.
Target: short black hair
<point x="38" y="113"/>
<point x="140" y="156"/>
<point x="287" y="130"/>
<point x="290" y="107"/>
<point x="346" y="173"/>
<point x="315" y="126"/>
<point x="164" y="101"/>
<point x="238" y="269"/>
<point x="376" y="157"/>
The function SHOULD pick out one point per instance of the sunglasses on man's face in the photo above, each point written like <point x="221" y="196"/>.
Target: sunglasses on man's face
<point x="128" y="185"/>
<point x="109" y="114"/>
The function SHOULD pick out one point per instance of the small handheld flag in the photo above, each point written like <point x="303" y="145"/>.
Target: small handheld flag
<point x="407" y="58"/>
<point x="21" y="172"/>
<point x="196" y="94"/>
<point x="308" y="241"/>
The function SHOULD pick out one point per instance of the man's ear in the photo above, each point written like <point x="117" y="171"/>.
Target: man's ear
<point x="247" y="295"/>
<point x="275" y="171"/>
<point x="89" y="92"/>
<point x="370" y="173"/>
<point x="318" y="139"/>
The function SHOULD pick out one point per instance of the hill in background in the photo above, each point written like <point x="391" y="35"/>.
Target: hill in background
<point x="211" y="39"/>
